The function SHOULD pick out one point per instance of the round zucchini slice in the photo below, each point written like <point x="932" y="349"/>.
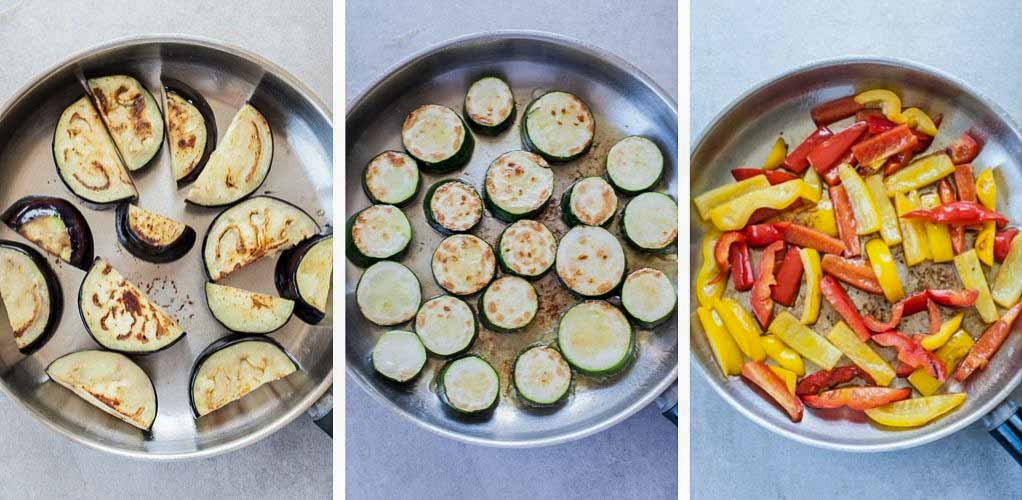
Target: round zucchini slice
<point x="590" y="201"/>
<point x="234" y="366"/>
<point x="55" y="225"/>
<point x="399" y="356"/>
<point x="558" y="126"/>
<point x="634" y="165"/>
<point x="446" y="326"/>
<point x="490" y="105"/>
<point x="376" y="233"/>
<point x="86" y="158"/>
<point x="31" y="295"/>
<point x="243" y="311"/>
<point x="463" y="264"/>
<point x="469" y="385"/>
<point x="648" y="297"/>
<point x="595" y="338"/>
<point x="541" y="376"/>
<point x="452" y="206"/>
<point x="239" y="164"/>
<point x="590" y="261"/>
<point x="131" y="116"/>
<point x="150" y="236"/>
<point x="109" y="381"/>
<point x="510" y="303"/>
<point x="527" y="249"/>
<point x="650" y="222"/>
<point x="517" y="185"/>
<point x="391" y="178"/>
<point x="304" y="274"/>
<point x="388" y="293"/>
<point x="437" y="138"/>
<point x="191" y="131"/>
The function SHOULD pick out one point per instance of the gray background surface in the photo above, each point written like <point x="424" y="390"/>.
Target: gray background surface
<point x="390" y="457"/>
<point x="735" y="45"/>
<point x="38" y="463"/>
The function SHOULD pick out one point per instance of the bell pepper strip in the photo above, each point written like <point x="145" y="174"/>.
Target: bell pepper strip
<point x="804" y="341"/>
<point x="964" y="149"/>
<point x="903" y="370"/>
<point x="1002" y="243"/>
<point x="783" y="355"/>
<point x="964" y="182"/>
<point x="832" y="177"/>
<point x="855" y="272"/>
<point x="934" y="315"/>
<point x="956" y="213"/>
<point x="798" y="160"/>
<point x="803" y="236"/>
<point x="722" y="250"/>
<point x="821" y="380"/>
<point x="741" y="326"/>
<point x="773" y="176"/>
<point x="741" y="267"/>
<point x="950" y="354"/>
<point x="827" y="153"/>
<point x="953" y="298"/>
<point x="986" y="189"/>
<point x="856" y="398"/>
<point x="778" y="152"/>
<point x="873" y="152"/>
<point x="888" y="102"/>
<point x="724" y="348"/>
<point x="911" y="353"/>
<point x="707" y="201"/>
<point x="886" y="271"/>
<point x="875" y="120"/>
<point x="760" y="374"/>
<point x="788" y="279"/>
<point x="970" y="273"/>
<point x="835" y="110"/>
<point x="821" y="218"/>
<point x="789" y="377"/>
<point x="944" y="332"/>
<point x="845" y="220"/>
<point x="917" y="303"/>
<point x="890" y="229"/>
<point x="839" y="300"/>
<point x="735" y="214"/>
<point x="914" y="243"/>
<point x="915" y="411"/>
<point x="937" y="235"/>
<point x="925" y="139"/>
<point x="988" y="344"/>
<point x="813" y="179"/>
<point x="761" y="235"/>
<point x="759" y="297"/>
<point x="897" y="162"/>
<point x="814" y="273"/>
<point x="918" y="120"/>
<point x="861" y="354"/>
<point x="948" y="196"/>
<point x="920" y="173"/>
<point x="864" y="207"/>
<point x="710" y="283"/>
<point x="1007" y="287"/>
<point x="986" y="242"/>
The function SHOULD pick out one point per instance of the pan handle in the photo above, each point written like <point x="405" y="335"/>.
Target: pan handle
<point x="1005" y="425"/>
<point x="322" y="412"/>
<point x="668" y="403"/>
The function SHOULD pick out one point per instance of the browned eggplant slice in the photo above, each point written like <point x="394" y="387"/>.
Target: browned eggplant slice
<point x="109" y="381"/>
<point x="191" y="130"/>
<point x="239" y="164"/>
<point x="55" y="225"/>
<point x="152" y="237"/>
<point x="132" y="117"/>
<point x="304" y="275"/>
<point x="232" y="367"/>
<point x="86" y="158"/>
<point x="31" y="295"/>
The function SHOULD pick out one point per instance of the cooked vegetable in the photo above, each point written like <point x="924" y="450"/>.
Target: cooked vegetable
<point x="723" y="345"/>
<point x="783" y="355"/>
<point x="835" y="110"/>
<point x="558" y="126"/>
<point x="517" y="186"/>
<point x="918" y="302"/>
<point x="452" y="206"/>
<point x="634" y="165"/>
<point x="234" y="366"/>
<point x="951" y="353"/>
<point x="109" y="381"/>
<point x="912" y="354"/>
<point x="304" y="274"/>
<point x="648" y="297"/>
<point x="948" y="328"/>
<point x="988" y="344"/>
<point x="916" y="411"/>
<point x="595" y="338"/>
<point x="885" y="269"/>
<point x="463" y="264"/>
<point x="437" y="138"/>
<point x="839" y="300"/>
<point x="399" y="356"/>
<point x="131" y="116"/>
<point x="958" y="213"/>
<point x="469" y="385"/>
<point x="948" y="197"/>
<point x="388" y="293"/>
<point x="711" y="278"/>
<point x="527" y="249"/>
<point x="890" y="231"/>
<point x="508" y="304"/>
<point x="827" y="154"/>
<point x="964" y="149"/>
<point x="915" y="242"/>
<point x="787" y="376"/>
<point x="919" y="173"/>
<point x="807" y="237"/>
<point x="541" y="376"/>
<point x="391" y="178"/>
<point x="819" y="381"/>
<point x="55" y="225"/>
<point x="864" y="207"/>
<point x="856" y="398"/>
<point x="86" y="158"/>
<point x="490" y="105"/>
<point x="590" y="201"/>
<point x="650" y="221"/>
<point x="759" y="297"/>
<point x="777" y="154"/>
<point x="857" y="350"/>
<point x="590" y="261"/>
<point x="938" y="236"/>
<point x="742" y="327"/>
<point x="243" y="311"/>
<point x="1007" y="287"/>
<point x="735" y="214"/>
<point x="377" y="232"/>
<point x="803" y="341"/>
<point x="713" y="198"/>
<point x="31" y="295"/>
<point x="760" y="374"/>
<point x="789" y="279"/>
<point x="855" y="272"/>
<point x="446" y="326"/>
<point x="239" y="164"/>
<point x="970" y="272"/>
<point x="845" y="218"/>
<point x="191" y="131"/>
<point x="813" y="272"/>
<point x="152" y="237"/>
<point x="798" y="160"/>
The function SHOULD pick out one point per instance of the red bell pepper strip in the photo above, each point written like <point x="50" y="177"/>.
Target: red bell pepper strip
<point x="789" y="279"/>
<point x="988" y="344"/>
<point x="903" y="370"/>
<point x="897" y="162"/>
<point x="875" y="120"/>
<point x="953" y="298"/>
<point x="965" y="182"/>
<point x="839" y="300"/>
<point x="964" y="149"/>
<point x="958" y="213"/>
<point x="759" y="297"/>
<point x="845" y="221"/>
<point x="761" y="235"/>
<point x="855" y="272"/>
<point x="776" y="176"/>
<point x="798" y="160"/>
<point x="825" y="379"/>
<point x="827" y="153"/>
<point x="917" y="303"/>
<point x="807" y="237"/>
<point x="832" y="111"/>
<point x="947" y="196"/>
<point x="876" y="149"/>
<point x="760" y="374"/>
<point x="831" y="177"/>
<point x="1002" y="243"/>
<point x="911" y="352"/>
<point x="856" y="398"/>
<point x="934" y="313"/>
<point x="741" y="267"/>
<point x="722" y="251"/>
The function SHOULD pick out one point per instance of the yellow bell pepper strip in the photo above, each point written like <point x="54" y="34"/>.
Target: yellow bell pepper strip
<point x="804" y="341"/>
<point x="890" y="230"/>
<point x="985" y="243"/>
<point x="710" y="284"/>
<point x="789" y="377"/>
<point x="882" y="262"/>
<point x="919" y="173"/>
<point x="864" y="207"/>
<point x="813" y="273"/>
<point x="860" y="353"/>
<point x="888" y="102"/>
<point x="916" y="411"/>
<point x="914" y="243"/>
<point x="783" y="355"/>
<point x="937" y="235"/>
<point x="986" y="189"/>
<point x="950" y="354"/>
<point x="971" y="275"/>
<point x="741" y="326"/>
<point x="947" y="329"/>
<point x="734" y="214"/>
<point x="820" y="217"/>
<point x="724" y="348"/>
<point x="1007" y="286"/>
<point x="915" y="118"/>
<point x="715" y="197"/>
<point x="778" y="152"/>
<point x="813" y="179"/>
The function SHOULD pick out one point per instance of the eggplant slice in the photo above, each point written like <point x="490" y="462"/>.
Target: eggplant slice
<point x="152" y="237"/>
<point x="120" y="317"/>
<point x="234" y="366"/>
<point x="109" y="381"/>
<point x="243" y="311"/>
<point x="258" y="227"/>
<point x="31" y="295"/>
<point x="304" y="274"/>
<point x="55" y="225"/>
<point x="191" y="130"/>
<point x="86" y="158"/>
<point x="239" y="164"/>
<point x="131" y="116"/>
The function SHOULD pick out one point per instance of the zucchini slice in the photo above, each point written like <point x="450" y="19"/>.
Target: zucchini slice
<point x="650" y="221"/>
<point x="191" y="131"/>
<point x="109" y="381"/>
<point x="509" y="303"/>
<point x="558" y="126"/>
<point x="469" y="385"/>
<point x="490" y="105"/>
<point x="258" y="227"/>
<point x="239" y="164"/>
<point x="634" y="165"/>
<point x="152" y="237"/>
<point x="31" y="295"/>
<point x="541" y="376"/>
<point x="391" y="178"/>
<point x="377" y="232"/>
<point x="55" y="225"/>
<point x="452" y="206"/>
<point x="463" y="264"/>
<point x="517" y="185"/>
<point x="595" y="338"/>
<point x="527" y="249"/>
<point x="86" y="158"/>
<point x="399" y="356"/>
<point x="388" y="293"/>
<point x="648" y="297"/>
<point x="120" y="317"/>
<point x="446" y="325"/>
<point x="131" y="116"/>
<point x="590" y="201"/>
<point x="234" y="366"/>
<point x="437" y="138"/>
<point x="304" y="274"/>
<point x="243" y="311"/>
<point x="590" y="261"/>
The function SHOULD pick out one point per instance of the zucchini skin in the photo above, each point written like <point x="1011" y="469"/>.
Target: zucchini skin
<point x="143" y="250"/>
<point x="506" y="216"/>
<point x="427" y="207"/>
<point x="568" y="216"/>
<point x="285" y="278"/>
<point x="628" y="239"/>
<point x="490" y="130"/>
<point x="632" y="192"/>
<point x="485" y="320"/>
<point x="531" y="146"/>
<point x="195" y="98"/>
<point x="360" y="259"/>
<point x="507" y="269"/>
<point x="613" y="370"/>
<point x="369" y="193"/>
<point x="531" y="402"/>
<point x="442" y="390"/>
<point x="56" y="294"/>
<point x="454" y="162"/>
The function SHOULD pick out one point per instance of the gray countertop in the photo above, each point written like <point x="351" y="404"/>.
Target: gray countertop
<point x="38" y="463"/>
<point x="388" y="456"/>
<point x="737" y="44"/>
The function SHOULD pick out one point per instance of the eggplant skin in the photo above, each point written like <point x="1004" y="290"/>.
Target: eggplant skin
<point x="53" y="287"/>
<point x="224" y="343"/>
<point x="195" y="99"/>
<point x="285" y="277"/>
<point x="31" y="207"/>
<point x="137" y="245"/>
